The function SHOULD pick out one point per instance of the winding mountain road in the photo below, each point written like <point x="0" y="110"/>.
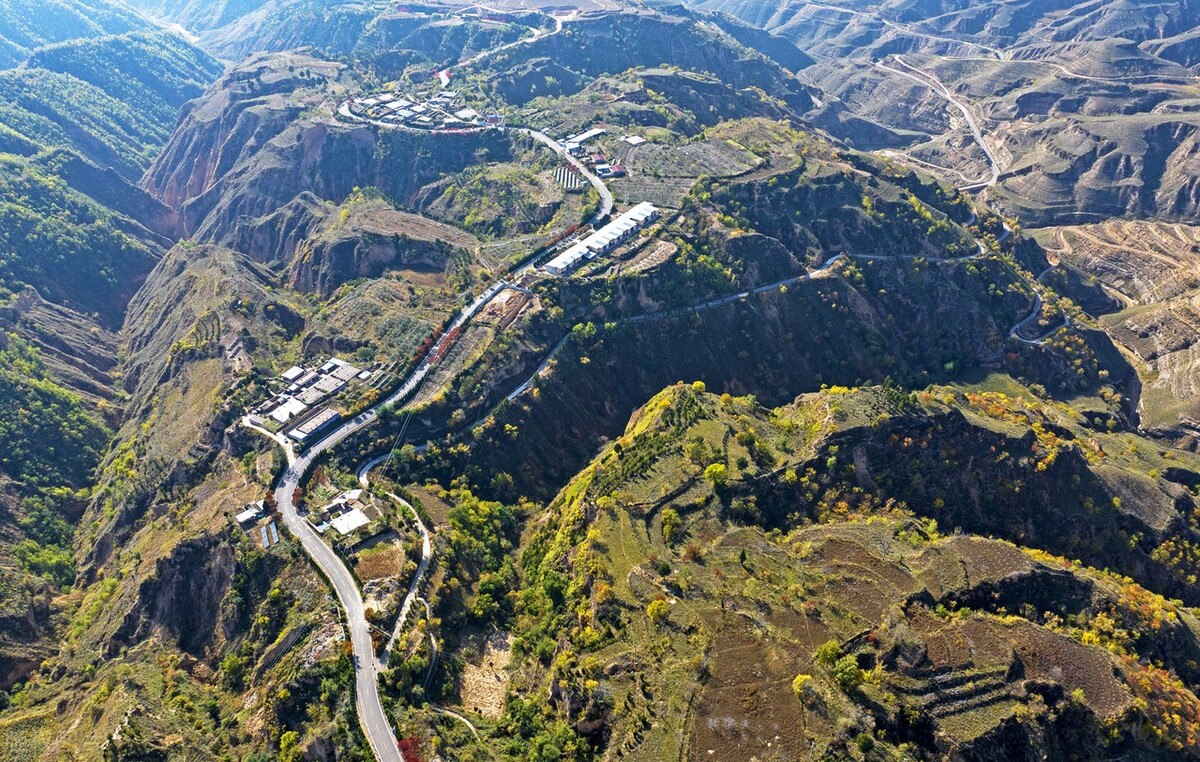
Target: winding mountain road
<point x="538" y="34"/>
<point x="909" y="29"/>
<point x="371" y="714"/>
<point x="367" y="667"/>
<point x="606" y="198"/>
<point x="933" y="83"/>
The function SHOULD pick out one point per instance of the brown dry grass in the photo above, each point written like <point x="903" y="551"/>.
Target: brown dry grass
<point x="383" y="561"/>
<point x="484" y="679"/>
<point x="747" y="707"/>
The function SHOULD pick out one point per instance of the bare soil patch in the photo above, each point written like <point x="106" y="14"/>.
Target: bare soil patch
<point x="484" y="676"/>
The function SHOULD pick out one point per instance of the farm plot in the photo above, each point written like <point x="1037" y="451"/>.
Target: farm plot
<point x="484" y="676"/>
<point x="382" y="561"/>
<point x="750" y="678"/>
<point x="713" y="157"/>
<point x="663" y="174"/>
<point x="663" y="192"/>
<point x="1151" y="268"/>
<point x="474" y="341"/>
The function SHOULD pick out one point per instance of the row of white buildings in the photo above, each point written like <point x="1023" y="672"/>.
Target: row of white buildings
<point x="604" y="240"/>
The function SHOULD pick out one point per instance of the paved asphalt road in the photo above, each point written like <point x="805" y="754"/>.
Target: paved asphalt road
<point x="606" y="199"/>
<point x="371" y="714"/>
<point x="933" y="83"/>
<point x="366" y="667"/>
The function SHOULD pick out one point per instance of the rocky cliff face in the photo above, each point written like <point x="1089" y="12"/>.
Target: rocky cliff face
<point x="323" y="265"/>
<point x="275" y="237"/>
<point x="183" y="599"/>
<point x="243" y="112"/>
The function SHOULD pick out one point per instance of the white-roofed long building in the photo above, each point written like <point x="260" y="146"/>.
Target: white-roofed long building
<point x="605" y="239"/>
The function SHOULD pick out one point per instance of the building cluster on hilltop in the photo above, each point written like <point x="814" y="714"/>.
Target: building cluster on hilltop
<point x="441" y="112"/>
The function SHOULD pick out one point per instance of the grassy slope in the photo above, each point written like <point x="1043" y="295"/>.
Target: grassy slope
<point x="746" y="608"/>
<point x="28" y="24"/>
<point x="98" y="89"/>
<point x="209" y="645"/>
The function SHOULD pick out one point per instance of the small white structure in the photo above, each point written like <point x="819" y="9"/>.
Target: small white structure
<point x="319" y="420"/>
<point x="329" y="385"/>
<point x="584" y="137"/>
<point x="251" y="514"/>
<point x="466" y="114"/>
<point x="568" y="259"/>
<point x="350" y="521"/>
<point x="292" y="373"/>
<point x="345" y="372"/>
<point x="291" y="408"/>
<point x="634" y="140"/>
<point x="311" y="395"/>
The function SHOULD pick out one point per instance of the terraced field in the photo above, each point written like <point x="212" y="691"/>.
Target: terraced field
<point x="1153" y="270"/>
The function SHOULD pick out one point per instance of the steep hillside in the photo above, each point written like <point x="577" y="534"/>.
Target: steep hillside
<point x="51" y="439"/>
<point x="93" y="99"/>
<point x="386" y="39"/>
<point x="197" y="15"/>
<point x="727" y="580"/>
<point x="247" y="149"/>
<point x="112" y="99"/>
<point x="26" y="25"/>
<point x="188" y="638"/>
<point x="1084" y="107"/>
<point x="917" y="299"/>
<point x="73" y="250"/>
<point x="611" y="44"/>
<point x="158" y="71"/>
<point x="940" y="26"/>
<point x="1149" y="269"/>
